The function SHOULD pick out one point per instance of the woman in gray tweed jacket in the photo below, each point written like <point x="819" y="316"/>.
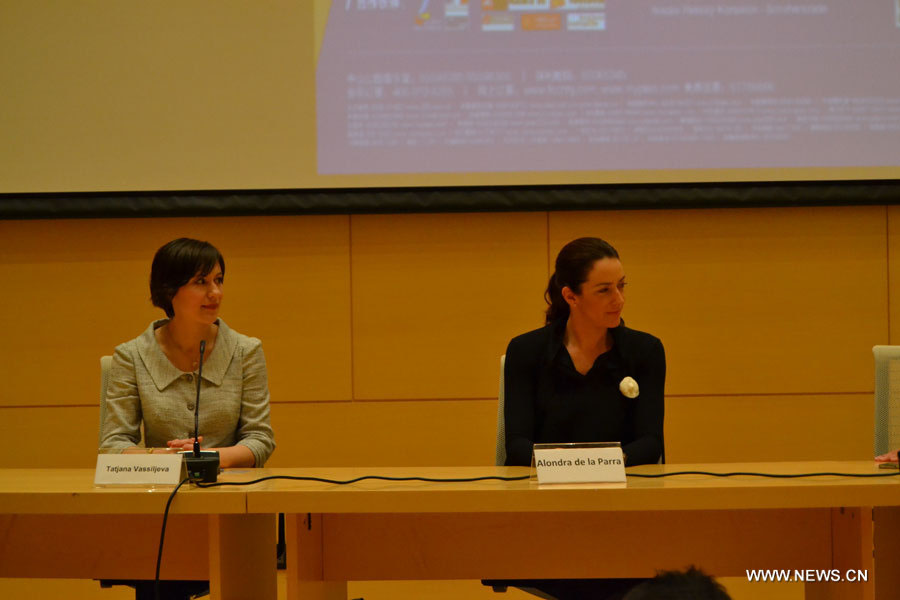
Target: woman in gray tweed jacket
<point x="153" y="377"/>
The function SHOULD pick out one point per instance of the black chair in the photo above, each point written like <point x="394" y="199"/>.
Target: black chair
<point x="169" y="590"/>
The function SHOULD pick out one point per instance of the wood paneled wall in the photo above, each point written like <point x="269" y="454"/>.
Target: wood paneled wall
<point x="383" y="332"/>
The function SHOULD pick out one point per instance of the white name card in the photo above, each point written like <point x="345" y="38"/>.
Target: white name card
<point x="138" y="469"/>
<point x="579" y="463"/>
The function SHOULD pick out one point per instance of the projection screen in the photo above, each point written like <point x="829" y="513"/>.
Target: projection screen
<point x="606" y="86"/>
<point x="343" y="96"/>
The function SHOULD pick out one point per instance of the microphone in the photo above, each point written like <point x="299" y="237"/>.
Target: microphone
<point x="197" y="402"/>
<point x="201" y="466"/>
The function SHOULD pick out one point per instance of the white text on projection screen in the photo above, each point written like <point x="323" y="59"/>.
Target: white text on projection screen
<point x="413" y="86"/>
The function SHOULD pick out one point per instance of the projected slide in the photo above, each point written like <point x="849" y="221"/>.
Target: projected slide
<point x="447" y="86"/>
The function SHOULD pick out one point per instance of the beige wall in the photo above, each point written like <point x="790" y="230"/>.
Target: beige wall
<point x="383" y="332"/>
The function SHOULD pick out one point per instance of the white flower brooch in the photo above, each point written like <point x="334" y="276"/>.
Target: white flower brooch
<point x="629" y="388"/>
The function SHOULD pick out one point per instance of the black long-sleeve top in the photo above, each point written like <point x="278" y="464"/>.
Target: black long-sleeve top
<point x="548" y="401"/>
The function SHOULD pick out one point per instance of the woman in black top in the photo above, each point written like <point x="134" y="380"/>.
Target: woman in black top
<point x="569" y="381"/>
<point x="585" y="377"/>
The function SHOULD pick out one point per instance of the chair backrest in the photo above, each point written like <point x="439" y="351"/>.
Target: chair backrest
<point x="500" y="456"/>
<point x="887" y="398"/>
<point x="105" y="363"/>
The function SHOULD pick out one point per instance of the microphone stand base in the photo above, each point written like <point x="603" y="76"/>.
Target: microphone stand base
<point x="203" y="468"/>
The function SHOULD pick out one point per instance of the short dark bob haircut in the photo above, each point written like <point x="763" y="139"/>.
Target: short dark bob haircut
<point x="175" y="264"/>
<point x="573" y="264"/>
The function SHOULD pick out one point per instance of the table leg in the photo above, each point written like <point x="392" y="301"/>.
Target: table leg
<point x="242" y="561"/>
<point x="887" y="551"/>
<point x="305" y="564"/>
<point x="852" y="558"/>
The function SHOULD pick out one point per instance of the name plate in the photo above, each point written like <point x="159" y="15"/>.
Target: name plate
<point x="600" y="462"/>
<point x="138" y="469"/>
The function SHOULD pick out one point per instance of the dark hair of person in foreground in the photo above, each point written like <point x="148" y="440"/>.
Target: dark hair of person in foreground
<point x="692" y="584"/>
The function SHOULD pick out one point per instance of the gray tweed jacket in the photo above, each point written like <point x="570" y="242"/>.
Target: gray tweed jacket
<point x="234" y="398"/>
